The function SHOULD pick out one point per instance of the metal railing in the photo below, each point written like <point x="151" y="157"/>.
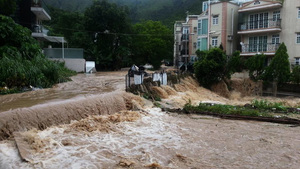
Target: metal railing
<point x="263" y="47"/>
<point x="37" y="28"/>
<point x="70" y="53"/>
<point x="185" y="37"/>
<point x="260" y="24"/>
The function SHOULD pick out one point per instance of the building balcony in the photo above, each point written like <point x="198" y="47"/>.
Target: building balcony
<point x="261" y="7"/>
<point x="185" y="37"/>
<point x="261" y="26"/>
<point x="184" y="52"/>
<point x="37" y="31"/>
<point x="253" y="49"/>
<point x="39" y="8"/>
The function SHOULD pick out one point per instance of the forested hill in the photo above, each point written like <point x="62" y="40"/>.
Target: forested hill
<point x="166" y="11"/>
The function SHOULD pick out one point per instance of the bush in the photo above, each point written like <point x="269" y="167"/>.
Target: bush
<point x="22" y="62"/>
<point x="279" y="68"/>
<point x="295" y="76"/>
<point x="256" y="66"/>
<point x="210" y="68"/>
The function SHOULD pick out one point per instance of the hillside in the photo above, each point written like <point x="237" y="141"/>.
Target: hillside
<point x="166" y="11"/>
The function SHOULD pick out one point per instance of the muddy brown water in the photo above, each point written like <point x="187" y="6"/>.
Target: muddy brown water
<point x="81" y="85"/>
<point x="154" y="139"/>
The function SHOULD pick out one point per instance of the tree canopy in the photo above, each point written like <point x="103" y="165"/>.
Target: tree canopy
<point x="279" y="68"/>
<point x="21" y="60"/>
<point x="211" y="68"/>
<point x="152" y="43"/>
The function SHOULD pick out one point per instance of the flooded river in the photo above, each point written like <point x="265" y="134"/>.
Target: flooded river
<point x="101" y="135"/>
<point x="81" y="85"/>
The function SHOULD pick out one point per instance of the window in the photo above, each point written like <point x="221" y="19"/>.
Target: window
<point x="215" y="20"/>
<point x="297" y="61"/>
<point x="202" y="26"/>
<point x="204" y="6"/>
<point x="298" y="13"/>
<point x="275" y="39"/>
<point x="185" y="30"/>
<point x="276" y="15"/>
<point x="258" y="44"/>
<point x="258" y="21"/>
<point x="199" y="27"/>
<point x="298" y="38"/>
<point x="199" y="44"/>
<point x="214" y="41"/>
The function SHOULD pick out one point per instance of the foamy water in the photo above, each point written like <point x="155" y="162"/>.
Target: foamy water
<point x="170" y="141"/>
<point x="154" y="138"/>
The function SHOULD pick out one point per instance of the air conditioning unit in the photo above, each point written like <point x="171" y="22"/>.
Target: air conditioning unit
<point x="230" y="37"/>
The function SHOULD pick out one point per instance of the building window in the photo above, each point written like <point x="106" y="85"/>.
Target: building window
<point x="275" y="39"/>
<point x="204" y="6"/>
<point x="214" y="41"/>
<point x="298" y="13"/>
<point x="215" y="20"/>
<point x="199" y="44"/>
<point x="185" y="30"/>
<point x="199" y="27"/>
<point x="258" y="44"/>
<point x="276" y="15"/>
<point x="297" y="61"/>
<point x="298" y="38"/>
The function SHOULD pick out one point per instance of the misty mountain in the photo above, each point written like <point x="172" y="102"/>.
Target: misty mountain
<point x="166" y="11"/>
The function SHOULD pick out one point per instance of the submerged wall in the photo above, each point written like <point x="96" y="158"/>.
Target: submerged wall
<point x="43" y="116"/>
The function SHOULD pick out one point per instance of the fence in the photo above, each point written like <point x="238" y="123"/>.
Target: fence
<point x="138" y="79"/>
<point x="74" y="53"/>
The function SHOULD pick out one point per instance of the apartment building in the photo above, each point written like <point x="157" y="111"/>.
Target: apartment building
<point x="223" y="22"/>
<point x="185" y="40"/>
<point x="215" y="25"/>
<point x="264" y="24"/>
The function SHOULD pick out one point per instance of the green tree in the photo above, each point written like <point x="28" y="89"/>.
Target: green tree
<point x="108" y="25"/>
<point x="69" y="25"/>
<point x="256" y="66"/>
<point x="21" y="60"/>
<point x="153" y="43"/>
<point x="235" y="64"/>
<point x="212" y="68"/>
<point x="279" y="68"/>
<point x="295" y="76"/>
<point x="7" y="7"/>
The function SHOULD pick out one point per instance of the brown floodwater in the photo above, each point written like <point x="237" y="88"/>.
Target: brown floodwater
<point x="81" y="129"/>
<point x="81" y="85"/>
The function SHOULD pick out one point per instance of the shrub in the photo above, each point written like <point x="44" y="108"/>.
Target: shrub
<point x="210" y="68"/>
<point x="256" y="66"/>
<point x="22" y="62"/>
<point x="295" y="76"/>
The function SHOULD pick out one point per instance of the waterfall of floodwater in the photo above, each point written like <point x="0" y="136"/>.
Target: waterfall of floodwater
<point x="92" y="130"/>
<point x="45" y="115"/>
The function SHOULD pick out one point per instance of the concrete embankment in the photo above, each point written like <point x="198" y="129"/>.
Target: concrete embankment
<point x="43" y="116"/>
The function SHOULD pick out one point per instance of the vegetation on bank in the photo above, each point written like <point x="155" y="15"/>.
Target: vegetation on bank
<point x="213" y="66"/>
<point x="22" y="63"/>
<point x="108" y="36"/>
<point x="258" y="108"/>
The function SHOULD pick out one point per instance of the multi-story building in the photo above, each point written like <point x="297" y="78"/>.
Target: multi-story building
<point x="223" y="22"/>
<point x="177" y="42"/>
<point x="31" y="14"/>
<point x="185" y="38"/>
<point x="264" y="24"/>
<point x="215" y="25"/>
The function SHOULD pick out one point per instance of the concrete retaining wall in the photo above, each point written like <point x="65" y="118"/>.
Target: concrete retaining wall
<point x="77" y="65"/>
